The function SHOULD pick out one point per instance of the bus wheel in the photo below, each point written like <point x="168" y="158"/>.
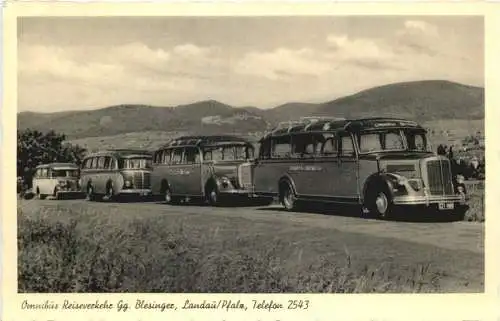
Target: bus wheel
<point x="110" y="193"/>
<point x="56" y="194"/>
<point x="90" y="193"/>
<point x="213" y="196"/>
<point x="287" y="196"/>
<point x="380" y="203"/>
<point x="38" y="195"/>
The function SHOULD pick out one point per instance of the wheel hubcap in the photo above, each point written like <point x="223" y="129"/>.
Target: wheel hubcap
<point x="168" y="197"/>
<point x="287" y="199"/>
<point x="381" y="203"/>
<point x="213" y="196"/>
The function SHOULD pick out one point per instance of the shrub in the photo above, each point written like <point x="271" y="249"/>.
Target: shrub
<point x="35" y="148"/>
<point x="140" y="256"/>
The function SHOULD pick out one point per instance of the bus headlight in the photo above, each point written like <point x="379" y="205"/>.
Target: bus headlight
<point x="225" y="182"/>
<point x="415" y="184"/>
<point x="128" y="184"/>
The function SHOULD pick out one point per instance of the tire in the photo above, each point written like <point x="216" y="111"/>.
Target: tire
<point x="379" y="203"/>
<point x="287" y="196"/>
<point x="90" y="193"/>
<point x="56" y="194"/>
<point x="213" y="195"/>
<point x="459" y="213"/>
<point x="168" y="198"/>
<point x="38" y="195"/>
<point x="110" y="192"/>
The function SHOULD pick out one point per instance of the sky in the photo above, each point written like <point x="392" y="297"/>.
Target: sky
<point x="81" y="63"/>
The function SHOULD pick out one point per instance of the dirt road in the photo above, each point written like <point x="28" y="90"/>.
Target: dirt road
<point x="467" y="236"/>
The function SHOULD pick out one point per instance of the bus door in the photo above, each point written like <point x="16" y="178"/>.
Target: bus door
<point x="347" y="179"/>
<point x="192" y="167"/>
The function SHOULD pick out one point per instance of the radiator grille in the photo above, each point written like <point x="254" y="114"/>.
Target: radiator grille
<point x="439" y="177"/>
<point x="245" y="175"/>
<point x="72" y="185"/>
<point x="142" y="180"/>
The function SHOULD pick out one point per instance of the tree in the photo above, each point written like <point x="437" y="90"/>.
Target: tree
<point x="35" y="148"/>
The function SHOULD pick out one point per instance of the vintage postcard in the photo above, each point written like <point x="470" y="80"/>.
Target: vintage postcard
<point x="207" y="161"/>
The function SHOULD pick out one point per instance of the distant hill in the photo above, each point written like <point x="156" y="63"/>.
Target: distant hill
<point x="290" y="111"/>
<point x="421" y="100"/>
<point x="204" y="117"/>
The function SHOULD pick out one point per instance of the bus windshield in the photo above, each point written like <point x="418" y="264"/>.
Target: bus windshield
<point x="135" y="163"/>
<point x="395" y="140"/>
<point x="417" y="141"/>
<point x="65" y="173"/>
<point x="228" y="153"/>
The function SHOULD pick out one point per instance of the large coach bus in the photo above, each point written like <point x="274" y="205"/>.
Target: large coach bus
<point x="115" y="173"/>
<point x="378" y="163"/>
<point x="211" y="168"/>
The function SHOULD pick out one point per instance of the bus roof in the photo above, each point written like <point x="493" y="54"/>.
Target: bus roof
<point x="335" y="125"/>
<point x="122" y="153"/>
<point x="206" y="140"/>
<point x="57" y="166"/>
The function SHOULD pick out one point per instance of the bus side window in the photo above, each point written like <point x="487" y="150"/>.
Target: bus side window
<point x="191" y="156"/>
<point x="281" y="147"/>
<point x="347" y="147"/>
<point x="93" y="163"/>
<point x="207" y="155"/>
<point x="101" y="162"/>
<point x="112" y="163"/>
<point x="265" y="149"/>
<point x="303" y="145"/>
<point x="107" y="162"/>
<point x="177" y="156"/>
<point x="164" y="156"/>
<point x="330" y="147"/>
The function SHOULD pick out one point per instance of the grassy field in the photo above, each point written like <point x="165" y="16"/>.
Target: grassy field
<point x="476" y="211"/>
<point x="452" y="131"/>
<point x="67" y="248"/>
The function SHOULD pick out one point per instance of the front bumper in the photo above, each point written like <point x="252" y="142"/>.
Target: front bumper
<point x="67" y="192"/>
<point x="429" y="200"/>
<point x="134" y="191"/>
<point x="243" y="192"/>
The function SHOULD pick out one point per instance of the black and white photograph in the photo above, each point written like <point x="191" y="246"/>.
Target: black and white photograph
<point x="251" y="154"/>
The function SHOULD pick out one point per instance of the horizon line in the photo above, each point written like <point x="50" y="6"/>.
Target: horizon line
<point x="250" y="106"/>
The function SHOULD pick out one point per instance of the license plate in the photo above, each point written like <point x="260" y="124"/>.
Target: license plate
<point x="446" y="206"/>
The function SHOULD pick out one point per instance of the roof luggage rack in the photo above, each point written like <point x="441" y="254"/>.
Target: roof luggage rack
<point x="313" y="119"/>
<point x="304" y="121"/>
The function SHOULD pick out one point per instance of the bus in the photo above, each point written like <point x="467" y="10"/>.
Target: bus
<point x="112" y="174"/>
<point x="212" y="168"/>
<point x="377" y="163"/>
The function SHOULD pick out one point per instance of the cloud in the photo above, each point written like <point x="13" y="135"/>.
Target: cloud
<point x="359" y="51"/>
<point x="317" y="63"/>
<point x="189" y="49"/>
<point x="419" y="26"/>
<point x="97" y="73"/>
<point x="282" y="63"/>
